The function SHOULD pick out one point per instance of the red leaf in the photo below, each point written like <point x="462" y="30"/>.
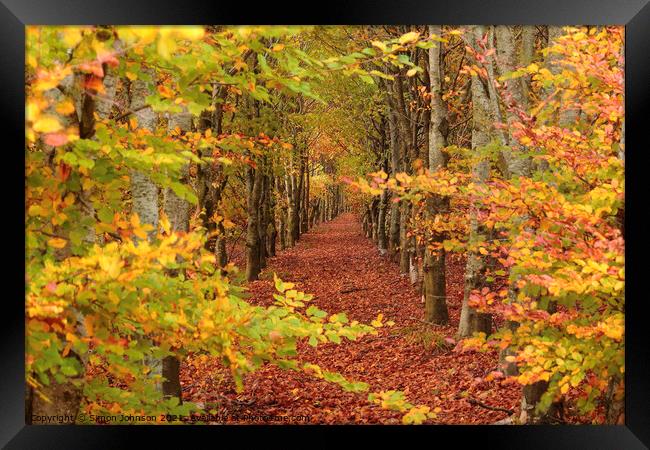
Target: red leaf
<point x="94" y="67"/>
<point x="55" y="139"/>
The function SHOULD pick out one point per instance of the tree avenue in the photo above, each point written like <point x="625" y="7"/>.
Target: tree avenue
<point x="170" y="169"/>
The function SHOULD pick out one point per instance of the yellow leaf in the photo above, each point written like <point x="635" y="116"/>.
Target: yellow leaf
<point x="87" y="183"/>
<point x="191" y="33"/>
<point x="144" y="34"/>
<point x="57" y="242"/>
<point x="112" y="296"/>
<point x="47" y="124"/>
<point x="409" y="37"/>
<point x="206" y="323"/>
<point x="164" y="223"/>
<point x="69" y="199"/>
<point x="380" y="45"/>
<point x="135" y="220"/>
<point x="71" y="36"/>
<point x="33" y="109"/>
<point x="166" y="46"/>
<point x="533" y="68"/>
<point x="111" y="265"/>
<point x="46" y="84"/>
<point x="66" y="107"/>
<point x="34" y="210"/>
<point x="411" y="72"/>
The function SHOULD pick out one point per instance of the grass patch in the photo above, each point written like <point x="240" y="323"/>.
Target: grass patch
<point x="425" y="336"/>
<point x="268" y="275"/>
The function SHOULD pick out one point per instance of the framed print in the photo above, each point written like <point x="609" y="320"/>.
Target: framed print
<point x="412" y="216"/>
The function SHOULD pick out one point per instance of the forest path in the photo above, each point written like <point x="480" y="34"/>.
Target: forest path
<point x="343" y="269"/>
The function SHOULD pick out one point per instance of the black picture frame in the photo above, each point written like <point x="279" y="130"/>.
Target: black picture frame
<point x="634" y="14"/>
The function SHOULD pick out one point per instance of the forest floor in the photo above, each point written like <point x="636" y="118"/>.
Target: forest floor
<point x="345" y="272"/>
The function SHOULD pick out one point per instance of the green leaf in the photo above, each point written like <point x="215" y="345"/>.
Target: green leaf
<point x="313" y="311"/>
<point x="69" y="371"/>
<point x="105" y="215"/>
<point x="367" y="79"/>
<point x="333" y="337"/>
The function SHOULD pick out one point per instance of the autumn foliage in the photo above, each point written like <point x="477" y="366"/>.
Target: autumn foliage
<point x="161" y="159"/>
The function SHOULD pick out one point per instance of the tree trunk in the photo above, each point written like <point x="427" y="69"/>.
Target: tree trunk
<point x="305" y="216"/>
<point x="271" y="230"/>
<point x="289" y="183"/>
<point x="615" y="402"/>
<point x="374" y="220"/>
<point x="515" y="96"/>
<point x="404" y="262"/>
<point x="212" y="183"/>
<point x="393" y="235"/>
<point x="472" y="321"/>
<point x="254" y="186"/>
<point x="532" y="394"/>
<point x="294" y="196"/>
<point x="220" y="246"/>
<point x="435" y="291"/>
<point x="262" y="222"/>
<point x="526" y="54"/>
<point x="381" y="230"/>
<point x="178" y="213"/>
<point x="144" y="193"/>
<point x="435" y="305"/>
<point x="282" y="213"/>
<point x="567" y="115"/>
